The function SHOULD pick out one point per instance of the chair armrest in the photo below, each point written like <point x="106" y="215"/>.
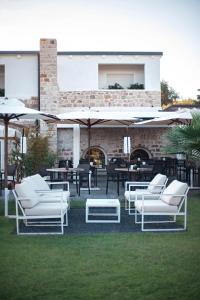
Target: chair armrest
<point x="158" y="197"/>
<point x="22" y="198"/>
<point x="49" y="192"/>
<point x="135" y="183"/>
<point x="59" y="183"/>
<point x="139" y="184"/>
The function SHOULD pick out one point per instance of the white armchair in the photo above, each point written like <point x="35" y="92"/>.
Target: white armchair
<point x="171" y="203"/>
<point x="135" y="189"/>
<point x="33" y="212"/>
<point x="42" y="188"/>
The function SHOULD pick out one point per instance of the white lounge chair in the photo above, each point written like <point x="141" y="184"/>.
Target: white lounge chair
<point x="135" y="189"/>
<point x="36" y="213"/>
<point x="41" y="187"/>
<point x="171" y="203"/>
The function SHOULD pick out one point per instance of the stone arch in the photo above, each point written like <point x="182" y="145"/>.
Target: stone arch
<point x="98" y="155"/>
<point x="142" y="153"/>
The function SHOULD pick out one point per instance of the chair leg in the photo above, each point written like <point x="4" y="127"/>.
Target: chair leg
<point x="107" y="187"/>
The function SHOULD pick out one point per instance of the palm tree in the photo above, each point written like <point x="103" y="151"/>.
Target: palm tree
<point x="185" y="139"/>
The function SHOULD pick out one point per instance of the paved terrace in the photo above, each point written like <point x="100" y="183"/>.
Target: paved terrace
<point x="77" y="224"/>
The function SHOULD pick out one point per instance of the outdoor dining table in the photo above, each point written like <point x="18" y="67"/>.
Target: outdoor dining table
<point x="132" y="174"/>
<point x="56" y="172"/>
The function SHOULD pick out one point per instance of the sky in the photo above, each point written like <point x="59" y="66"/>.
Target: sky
<point x="169" y="26"/>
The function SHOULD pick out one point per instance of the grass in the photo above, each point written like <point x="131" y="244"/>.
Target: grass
<point x="101" y="266"/>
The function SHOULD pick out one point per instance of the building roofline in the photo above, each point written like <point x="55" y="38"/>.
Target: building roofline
<point x="107" y="53"/>
<point x="19" y="52"/>
<point x="83" y="53"/>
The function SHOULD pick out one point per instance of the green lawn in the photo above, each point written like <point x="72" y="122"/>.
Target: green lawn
<point x="102" y="266"/>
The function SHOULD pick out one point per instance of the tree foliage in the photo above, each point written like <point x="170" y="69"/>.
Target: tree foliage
<point x="185" y="139"/>
<point x="168" y="94"/>
<point x="38" y="155"/>
<point x="198" y="96"/>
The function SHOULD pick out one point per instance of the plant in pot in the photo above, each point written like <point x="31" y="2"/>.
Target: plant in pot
<point x="116" y="86"/>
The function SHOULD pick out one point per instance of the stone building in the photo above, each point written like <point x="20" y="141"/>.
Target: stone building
<point x="56" y="82"/>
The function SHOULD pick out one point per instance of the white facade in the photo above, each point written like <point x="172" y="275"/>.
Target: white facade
<point x="88" y="72"/>
<point x="21" y="75"/>
<point x="79" y="72"/>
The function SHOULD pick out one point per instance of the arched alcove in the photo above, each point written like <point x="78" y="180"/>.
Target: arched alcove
<point x="141" y="153"/>
<point x="97" y="156"/>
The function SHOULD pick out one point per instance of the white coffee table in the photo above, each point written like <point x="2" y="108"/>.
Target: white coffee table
<point x="102" y="208"/>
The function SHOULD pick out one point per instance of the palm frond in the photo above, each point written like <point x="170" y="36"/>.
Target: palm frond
<point x="185" y="138"/>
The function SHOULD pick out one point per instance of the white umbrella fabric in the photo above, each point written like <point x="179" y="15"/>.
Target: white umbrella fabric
<point x="13" y="109"/>
<point x="113" y="116"/>
<point x="91" y="117"/>
<point x="169" y="118"/>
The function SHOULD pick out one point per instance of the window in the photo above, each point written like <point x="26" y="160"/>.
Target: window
<point x="123" y="79"/>
<point x="117" y="76"/>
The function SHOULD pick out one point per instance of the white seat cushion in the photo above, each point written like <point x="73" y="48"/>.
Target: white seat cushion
<point x="52" y="196"/>
<point x="155" y="186"/>
<point x="36" y="183"/>
<point x="46" y="209"/>
<point x="39" y="182"/>
<point x="155" y="206"/>
<point x="174" y="188"/>
<point x="23" y="191"/>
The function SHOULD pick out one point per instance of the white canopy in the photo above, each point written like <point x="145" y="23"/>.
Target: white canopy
<point x="11" y="109"/>
<point x="15" y="109"/>
<point x="116" y="115"/>
<point x="169" y="118"/>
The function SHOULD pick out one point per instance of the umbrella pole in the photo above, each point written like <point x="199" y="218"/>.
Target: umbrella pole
<point x="6" y="121"/>
<point x="89" y="135"/>
<point x="128" y="152"/>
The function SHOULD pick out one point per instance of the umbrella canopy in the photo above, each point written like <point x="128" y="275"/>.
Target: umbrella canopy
<point x="104" y="116"/>
<point x="13" y="109"/>
<point x="109" y="116"/>
<point x="91" y="117"/>
<point x="169" y="118"/>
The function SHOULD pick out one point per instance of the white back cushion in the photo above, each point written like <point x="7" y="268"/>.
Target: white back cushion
<point x="174" y="188"/>
<point x="156" y="184"/>
<point x="25" y="191"/>
<point x="40" y="183"/>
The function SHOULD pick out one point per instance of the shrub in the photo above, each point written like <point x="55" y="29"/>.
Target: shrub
<point x="136" y="86"/>
<point x="38" y="155"/>
<point x="116" y="86"/>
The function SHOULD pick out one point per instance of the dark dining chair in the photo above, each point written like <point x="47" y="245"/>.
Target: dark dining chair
<point x="111" y="175"/>
<point x="83" y="178"/>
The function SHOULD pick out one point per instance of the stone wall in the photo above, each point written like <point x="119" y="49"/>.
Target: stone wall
<point x="110" y="140"/>
<point x="125" y="98"/>
<point x="33" y="102"/>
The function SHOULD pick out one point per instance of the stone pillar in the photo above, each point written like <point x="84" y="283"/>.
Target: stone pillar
<point x="48" y="85"/>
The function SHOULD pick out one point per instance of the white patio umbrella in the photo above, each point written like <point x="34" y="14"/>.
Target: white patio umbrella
<point x="169" y="118"/>
<point x="13" y="109"/>
<point x="91" y="117"/>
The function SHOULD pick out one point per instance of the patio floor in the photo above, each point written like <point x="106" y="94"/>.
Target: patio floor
<point x="99" y="191"/>
<point x="77" y="224"/>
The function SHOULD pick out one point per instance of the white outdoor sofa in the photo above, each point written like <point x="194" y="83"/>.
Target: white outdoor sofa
<point x="135" y="189"/>
<point x="171" y="203"/>
<point x="42" y="188"/>
<point x="33" y="212"/>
